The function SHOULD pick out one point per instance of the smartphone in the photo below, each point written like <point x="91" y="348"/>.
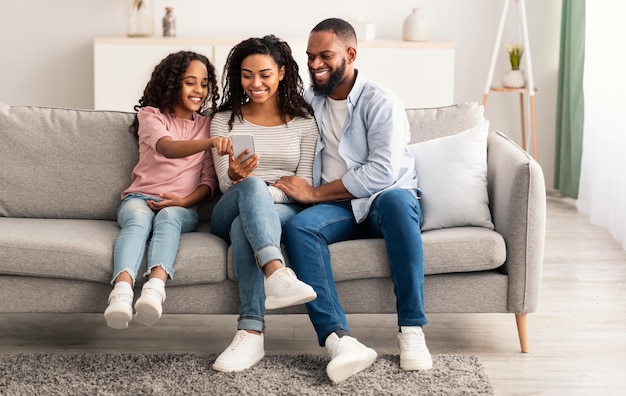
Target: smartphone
<point x="241" y="142"/>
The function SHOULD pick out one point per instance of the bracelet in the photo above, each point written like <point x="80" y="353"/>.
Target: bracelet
<point x="236" y="181"/>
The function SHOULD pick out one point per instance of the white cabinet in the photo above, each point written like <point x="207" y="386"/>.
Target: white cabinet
<point x="422" y="74"/>
<point x="422" y="77"/>
<point x="122" y="67"/>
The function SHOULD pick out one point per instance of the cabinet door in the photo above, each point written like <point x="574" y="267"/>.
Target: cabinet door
<point x="121" y="72"/>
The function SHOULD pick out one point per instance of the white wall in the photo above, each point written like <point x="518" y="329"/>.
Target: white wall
<point x="46" y="52"/>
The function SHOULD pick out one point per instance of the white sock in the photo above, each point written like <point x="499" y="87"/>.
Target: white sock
<point x="411" y="329"/>
<point x="123" y="287"/>
<point x="156" y="283"/>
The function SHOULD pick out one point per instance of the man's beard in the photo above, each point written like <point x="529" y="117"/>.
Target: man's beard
<point x="333" y="82"/>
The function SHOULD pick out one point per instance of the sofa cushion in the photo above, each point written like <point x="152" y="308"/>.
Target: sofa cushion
<point x="452" y="175"/>
<point x="431" y="123"/>
<point x="83" y="250"/>
<point x="64" y="163"/>
<point x="458" y="249"/>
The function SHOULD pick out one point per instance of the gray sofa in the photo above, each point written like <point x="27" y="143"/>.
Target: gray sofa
<point x="62" y="171"/>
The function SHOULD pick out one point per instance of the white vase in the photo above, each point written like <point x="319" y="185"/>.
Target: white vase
<point x="139" y="18"/>
<point x="415" y="27"/>
<point x="514" y="79"/>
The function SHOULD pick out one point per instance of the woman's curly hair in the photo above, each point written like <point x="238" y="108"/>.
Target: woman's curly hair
<point x="291" y="102"/>
<point x="165" y="85"/>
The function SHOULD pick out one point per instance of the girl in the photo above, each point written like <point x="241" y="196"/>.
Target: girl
<point x="174" y="173"/>
<point x="262" y="96"/>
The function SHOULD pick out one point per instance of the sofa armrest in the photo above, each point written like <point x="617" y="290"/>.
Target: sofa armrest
<point x="517" y="199"/>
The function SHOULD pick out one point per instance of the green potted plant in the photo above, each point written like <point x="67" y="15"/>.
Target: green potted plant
<point x="514" y="78"/>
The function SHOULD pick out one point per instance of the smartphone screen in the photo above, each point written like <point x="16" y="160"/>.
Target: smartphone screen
<point x="241" y="142"/>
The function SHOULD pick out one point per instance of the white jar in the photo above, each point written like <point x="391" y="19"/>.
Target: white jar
<point x="139" y="18"/>
<point x="415" y="27"/>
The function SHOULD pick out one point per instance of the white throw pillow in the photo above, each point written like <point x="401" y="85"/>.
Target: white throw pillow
<point x="452" y="174"/>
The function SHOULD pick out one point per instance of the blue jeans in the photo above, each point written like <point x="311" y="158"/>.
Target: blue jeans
<point x="247" y="217"/>
<point x="396" y="216"/>
<point x="137" y="221"/>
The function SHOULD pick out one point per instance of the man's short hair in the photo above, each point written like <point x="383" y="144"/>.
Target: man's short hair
<point x="344" y="30"/>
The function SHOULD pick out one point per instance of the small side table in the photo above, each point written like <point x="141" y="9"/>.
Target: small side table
<point x="521" y="92"/>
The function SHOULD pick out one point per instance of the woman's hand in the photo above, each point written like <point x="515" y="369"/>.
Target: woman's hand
<point x="239" y="169"/>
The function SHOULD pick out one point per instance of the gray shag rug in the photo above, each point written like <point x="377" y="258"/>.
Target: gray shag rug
<point x="191" y="374"/>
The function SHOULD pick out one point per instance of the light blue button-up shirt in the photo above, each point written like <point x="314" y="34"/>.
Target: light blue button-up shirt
<point x="373" y="145"/>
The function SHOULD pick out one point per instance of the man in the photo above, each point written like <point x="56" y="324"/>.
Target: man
<point x="364" y="185"/>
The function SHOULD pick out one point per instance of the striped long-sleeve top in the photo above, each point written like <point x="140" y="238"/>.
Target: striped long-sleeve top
<point x="285" y="150"/>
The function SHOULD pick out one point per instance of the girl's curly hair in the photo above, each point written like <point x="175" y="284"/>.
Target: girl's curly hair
<point x="290" y="90"/>
<point x="164" y="88"/>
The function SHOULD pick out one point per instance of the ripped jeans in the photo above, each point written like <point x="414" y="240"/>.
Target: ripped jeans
<point x="137" y="222"/>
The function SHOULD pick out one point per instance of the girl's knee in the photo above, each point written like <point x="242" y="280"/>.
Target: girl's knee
<point x="165" y="214"/>
<point x="136" y="216"/>
<point x="171" y="213"/>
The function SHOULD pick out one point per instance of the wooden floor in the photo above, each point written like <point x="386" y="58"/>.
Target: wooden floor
<point x="577" y="336"/>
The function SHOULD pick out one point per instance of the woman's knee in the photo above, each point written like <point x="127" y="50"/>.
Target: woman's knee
<point x="237" y="232"/>
<point x="253" y="183"/>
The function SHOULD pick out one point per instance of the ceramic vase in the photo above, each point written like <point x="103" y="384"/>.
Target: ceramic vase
<point x="415" y="27"/>
<point x="514" y="79"/>
<point x="139" y="18"/>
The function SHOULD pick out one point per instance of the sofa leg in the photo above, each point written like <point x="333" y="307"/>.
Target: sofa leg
<point x="522" y="331"/>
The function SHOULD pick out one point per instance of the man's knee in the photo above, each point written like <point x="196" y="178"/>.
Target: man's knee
<point x="397" y="198"/>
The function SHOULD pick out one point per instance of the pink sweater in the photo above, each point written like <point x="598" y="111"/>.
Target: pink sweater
<point x="155" y="174"/>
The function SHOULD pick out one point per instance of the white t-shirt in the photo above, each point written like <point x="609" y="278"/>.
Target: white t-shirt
<point x="334" y="118"/>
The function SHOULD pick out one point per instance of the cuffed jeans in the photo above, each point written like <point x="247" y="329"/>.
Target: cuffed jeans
<point x="396" y="216"/>
<point x="137" y="221"/>
<point x="247" y="217"/>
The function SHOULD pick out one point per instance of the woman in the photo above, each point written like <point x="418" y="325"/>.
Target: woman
<point x="263" y="97"/>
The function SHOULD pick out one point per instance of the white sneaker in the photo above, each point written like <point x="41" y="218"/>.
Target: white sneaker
<point x="348" y="356"/>
<point x="283" y="289"/>
<point x="414" y="354"/>
<point x="149" y="305"/>
<point x="245" y="351"/>
<point x="120" y="309"/>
